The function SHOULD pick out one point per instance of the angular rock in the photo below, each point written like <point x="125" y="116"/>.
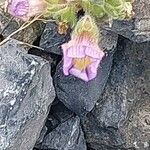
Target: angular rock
<point x="80" y="96"/>
<point x="28" y="35"/>
<point x="138" y="28"/>
<point x="108" y="40"/>
<point x="57" y="115"/>
<point x="51" y="40"/>
<point x="66" y="136"/>
<point x="60" y="112"/>
<point x="98" y="136"/>
<point x="42" y="135"/>
<point x="26" y="91"/>
<point x="125" y="104"/>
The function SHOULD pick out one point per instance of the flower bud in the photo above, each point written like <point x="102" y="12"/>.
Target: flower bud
<point x="87" y="25"/>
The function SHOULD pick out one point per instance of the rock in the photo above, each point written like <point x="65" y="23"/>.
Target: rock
<point x="66" y="136"/>
<point x="124" y="107"/>
<point x="51" y="40"/>
<point x="80" y="96"/>
<point x="138" y="28"/>
<point x="26" y="92"/>
<point x="42" y="135"/>
<point x="108" y="40"/>
<point x="57" y="115"/>
<point x="60" y="112"/>
<point x="28" y="35"/>
<point x="98" y="136"/>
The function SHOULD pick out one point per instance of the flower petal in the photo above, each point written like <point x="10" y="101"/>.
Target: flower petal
<point x="94" y="65"/>
<point x="24" y="9"/>
<point x="91" y="75"/>
<point x="94" y="52"/>
<point x="18" y="7"/>
<point x="36" y="7"/>
<point x="92" y="69"/>
<point x="76" y="52"/>
<point x="69" y="44"/>
<point x="21" y="9"/>
<point x="67" y="62"/>
<point x="80" y="74"/>
<point x="85" y="42"/>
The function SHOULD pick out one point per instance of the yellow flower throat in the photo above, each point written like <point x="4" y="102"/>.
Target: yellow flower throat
<point x="81" y="63"/>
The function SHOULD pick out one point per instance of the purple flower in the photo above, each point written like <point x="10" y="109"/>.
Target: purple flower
<point x="82" y="57"/>
<point x="18" y="7"/>
<point x="24" y="9"/>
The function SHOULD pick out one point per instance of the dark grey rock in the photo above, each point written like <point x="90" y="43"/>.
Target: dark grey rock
<point x="51" y="40"/>
<point x="124" y="107"/>
<point x="108" y="40"/>
<point x="138" y="28"/>
<point x="26" y="91"/>
<point x="57" y="115"/>
<point x="100" y="137"/>
<point x="60" y="112"/>
<point x="80" y="96"/>
<point x="28" y="35"/>
<point x="66" y="136"/>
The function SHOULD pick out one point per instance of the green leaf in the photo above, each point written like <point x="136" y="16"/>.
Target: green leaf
<point x="66" y="14"/>
<point x="69" y="16"/>
<point x="114" y="3"/>
<point x="86" y="5"/>
<point x="110" y="11"/>
<point x="97" y="10"/>
<point x="119" y="12"/>
<point x="52" y="9"/>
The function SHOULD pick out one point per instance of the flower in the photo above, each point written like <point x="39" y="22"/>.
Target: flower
<point x="82" y="54"/>
<point x="81" y="57"/>
<point x="24" y="9"/>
